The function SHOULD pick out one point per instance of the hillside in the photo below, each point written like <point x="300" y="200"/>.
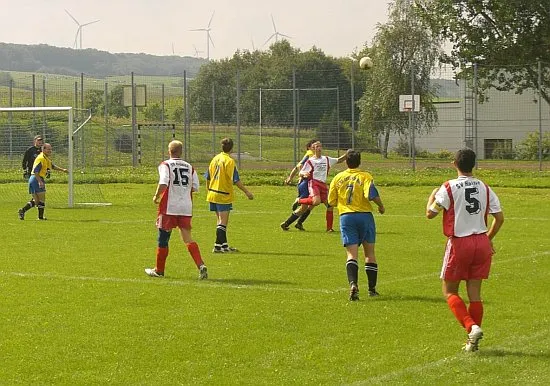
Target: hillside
<point x="67" y="61"/>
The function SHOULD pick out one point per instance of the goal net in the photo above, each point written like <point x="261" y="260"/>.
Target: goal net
<point x="67" y="130"/>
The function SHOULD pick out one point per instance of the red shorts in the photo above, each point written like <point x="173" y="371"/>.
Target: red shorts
<point x="467" y="258"/>
<point x="168" y="222"/>
<point x="318" y="188"/>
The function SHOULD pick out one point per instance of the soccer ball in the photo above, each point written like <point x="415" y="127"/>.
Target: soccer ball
<point x="365" y="62"/>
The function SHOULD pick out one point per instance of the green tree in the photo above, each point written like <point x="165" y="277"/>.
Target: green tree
<point x="153" y="112"/>
<point x="497" y="35"/>
<point x="529" y="147"/>
<point x="5" y="79"/>
<point x="93" y="100"/>
<point x="402" y="49"/>
<point x="116" y="103"/>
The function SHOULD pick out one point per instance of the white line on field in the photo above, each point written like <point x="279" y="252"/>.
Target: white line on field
<point x="226" y="283"/>
<point x="513" y="341"/>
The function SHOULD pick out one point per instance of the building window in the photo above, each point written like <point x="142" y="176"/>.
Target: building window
<point x="498" y="148"/>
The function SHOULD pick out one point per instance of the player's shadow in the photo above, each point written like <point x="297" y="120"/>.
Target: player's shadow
<point x="293" y="254"/>
<point x="410" y="298"/>
<point x="513" y="353"/>
<point x="251" y="282"/>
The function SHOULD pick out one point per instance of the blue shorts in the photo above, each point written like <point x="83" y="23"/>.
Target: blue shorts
<point x="220" y="207"/>
<point x="303" y="190"/>
<point x="33" y="186"/>
<point x="357" y="228"/>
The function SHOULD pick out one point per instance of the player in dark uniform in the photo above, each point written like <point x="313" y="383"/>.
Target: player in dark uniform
<point x="30" y="155"/>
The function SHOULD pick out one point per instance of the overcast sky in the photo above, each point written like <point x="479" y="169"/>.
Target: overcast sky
<point x="161" y="27"/>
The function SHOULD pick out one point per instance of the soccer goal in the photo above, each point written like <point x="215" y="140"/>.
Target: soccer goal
<point x="65" y="129"/>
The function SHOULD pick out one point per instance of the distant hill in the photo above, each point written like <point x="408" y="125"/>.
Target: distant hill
<point x="100" y="64"/>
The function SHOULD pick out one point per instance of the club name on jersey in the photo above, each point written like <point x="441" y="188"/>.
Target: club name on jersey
<point x="463" y="184"/>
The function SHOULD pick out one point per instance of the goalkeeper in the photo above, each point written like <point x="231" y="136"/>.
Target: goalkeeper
<point x="30" y="155"/>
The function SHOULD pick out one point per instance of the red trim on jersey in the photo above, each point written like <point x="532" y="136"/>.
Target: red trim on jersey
<point x="487" y="207"/>
<point x="328" y="167"/>
<point x="163" y="205"/>
<point x="449" y="214"/>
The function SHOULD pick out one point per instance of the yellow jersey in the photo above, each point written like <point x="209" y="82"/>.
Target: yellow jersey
<point x="220" y="177"/>
<point x="41" y="165"/>
<point x="351" y="191"/>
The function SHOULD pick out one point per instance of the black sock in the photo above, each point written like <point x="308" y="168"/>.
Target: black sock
<point x="28" y="205"/>
<point x="372" y="275"/>
<point x="41" y="206"/>
<point x="293" y="217"/>
<point x="352" y="269"/>
<point x="304" y="216"/>
<point x="221" y="235"/>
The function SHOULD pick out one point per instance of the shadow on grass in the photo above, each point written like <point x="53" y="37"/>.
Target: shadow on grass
<point x="410" y="298"/>
<point x="251" y="282"/>
<point x="513" y="353"/>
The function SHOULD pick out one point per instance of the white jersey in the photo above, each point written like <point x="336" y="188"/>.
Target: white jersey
<point x="467" y="202"/>
<point x="318" y="168"/>
<point x="181" y="180"/>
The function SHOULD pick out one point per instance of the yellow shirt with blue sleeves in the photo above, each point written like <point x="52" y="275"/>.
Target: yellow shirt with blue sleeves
<point x="221" y="175"/>
<point x="351" y="191"/>
<point x="41" y="165"/>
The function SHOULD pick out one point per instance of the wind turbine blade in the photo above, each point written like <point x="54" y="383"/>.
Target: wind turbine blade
<point x="269" y="38"/>
<point x="198" y="29"/>
<point x="92" y="22"/>
<point x="211" y="17"/>
<point x="273" y="21"/>
<point x="73" y="18"/>
<point x="211" y="41"/>
<point x="75" y="44"/>
<point x="286" y="36"/>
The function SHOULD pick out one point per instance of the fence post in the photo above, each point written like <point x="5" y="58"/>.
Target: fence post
<point x="106" y="116"/>
<point x="352" y="86"/>
<point x="134" y="121"/>
<point x="213" y="119"/>
<point x="294" y="113"/>
<point x="539" y="69"/>
<point x="238" y="119"/>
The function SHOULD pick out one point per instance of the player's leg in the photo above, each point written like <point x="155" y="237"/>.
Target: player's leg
<point x="479" y="270"/>
<point x="33" y="189"/>
<point x="475" y="308"/>
<point x="192" y="246"/>
<point x="222" y="215"/>
<point x="303" y="192"/>
<point x="350" y="240"/>
<point x="294" y="216"/>
<point x="329" y="217"/>
<point x="367" y="232"/>
<point x="163" y="239"/>
<point x="40" y="199"/>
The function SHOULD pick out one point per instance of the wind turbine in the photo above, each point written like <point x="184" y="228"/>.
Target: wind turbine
<point x="275" y="34"/>
<point x="208" y="38"/>
<point x="197" y="52"/>
<point x="79" y="30"/>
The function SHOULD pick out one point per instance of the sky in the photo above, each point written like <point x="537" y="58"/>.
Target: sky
<point x="162" y="27"/>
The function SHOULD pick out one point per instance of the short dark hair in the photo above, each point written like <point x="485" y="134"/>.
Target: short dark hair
<point x="353" y="159"/>
<point x="311" y="142"/>
<point x="465" y="160"/>
<point x="227" y="145"/>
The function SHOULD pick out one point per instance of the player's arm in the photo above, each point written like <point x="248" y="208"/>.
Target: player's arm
<point x="55" y="167"/>
<point x="158" y="194"/>
<point x="342" y="158"/>
<point x="498" y="220"/>
<point x="333" y="193"/>
<point x="292" y="174"/>
<point x="248" y="194"/>
<point x="432" y="207"/>
<point x="306" y="170"/>
<point x="36" y="172"/>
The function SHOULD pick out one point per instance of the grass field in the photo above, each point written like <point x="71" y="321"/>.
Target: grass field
<point x="76" y="307"/>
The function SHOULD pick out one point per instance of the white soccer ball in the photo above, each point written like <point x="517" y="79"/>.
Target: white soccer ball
<point x="365" y="62"/>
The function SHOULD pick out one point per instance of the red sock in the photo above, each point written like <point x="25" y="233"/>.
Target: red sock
<point x="307" y="201"/>
<point x="162" y="254"/>
<point x="329" y="215"/>
<point x="457" y="306"/>
<point x="476" y="312"/>
<point x="193" y="249"/>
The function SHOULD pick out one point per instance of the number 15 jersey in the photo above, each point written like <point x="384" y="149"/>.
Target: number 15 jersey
<point x="467" y="201"/>
<point x="181" y="180"/>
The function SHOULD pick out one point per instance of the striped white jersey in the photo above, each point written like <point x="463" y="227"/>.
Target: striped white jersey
<point x="181" y="180"/>
<point x="318" y="168"/>
<point x="466" y="202"/>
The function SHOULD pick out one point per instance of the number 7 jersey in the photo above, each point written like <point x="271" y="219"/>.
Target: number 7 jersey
<point x="467" y="201"/>
<point x="181" y="180"/>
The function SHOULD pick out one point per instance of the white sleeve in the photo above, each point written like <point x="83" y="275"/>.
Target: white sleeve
<point x="306" y="167"/>
<point x="164" y="174"/>
<point x="196" y="184"/>
<point x="442" y="198"/>
<point x="332" y="161"/>
<point x="494" y="202"/>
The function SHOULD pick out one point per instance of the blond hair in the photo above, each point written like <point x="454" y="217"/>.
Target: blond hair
<point x="175" y="148"/>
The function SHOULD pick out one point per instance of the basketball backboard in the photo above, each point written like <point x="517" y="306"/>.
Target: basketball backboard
<point x="406" y="103"/>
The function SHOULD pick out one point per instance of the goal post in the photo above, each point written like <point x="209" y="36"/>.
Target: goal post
<point x="24" y="122"/>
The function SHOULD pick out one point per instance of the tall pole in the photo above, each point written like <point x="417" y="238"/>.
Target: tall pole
<point x="413" y="147"/>
<point x="238" y="119"/>
<point x="134" y="121"/>
<point x="295" y="120"/>
<point x="352" y="104"/>
<point x="260" y="123"/>
<point x="540" y="113"/>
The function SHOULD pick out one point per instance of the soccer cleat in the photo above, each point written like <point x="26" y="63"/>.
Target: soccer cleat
<point x="203" y="272"/>
<point x="373" y="293"/>
<point x="218" y="250"/>
<point x="299" y="226"/>
<point x="42" y="218"/>
<point x="21" y="214"/>
<point x="284" y="226"/>
<point x="475" y="335"/>
<point x="153" y="272"/>
<point x="353" y="292"/>
<point x="229" y="249"/>
<point x="330" y="230"/>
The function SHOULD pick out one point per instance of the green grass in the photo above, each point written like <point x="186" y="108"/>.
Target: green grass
<point x="78" y="309"/>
